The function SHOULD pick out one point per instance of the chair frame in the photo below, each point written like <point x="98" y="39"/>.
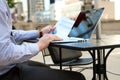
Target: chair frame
<point x="75" y="62"/>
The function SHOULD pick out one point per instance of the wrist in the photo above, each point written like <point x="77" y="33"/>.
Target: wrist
<point x="40" y="46"/>
<point x="40" y="34"/>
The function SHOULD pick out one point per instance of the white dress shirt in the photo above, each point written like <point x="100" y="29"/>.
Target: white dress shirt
<point x="10" y="52"/>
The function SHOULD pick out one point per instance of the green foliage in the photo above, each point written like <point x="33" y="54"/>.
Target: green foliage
<point x="11" y="3"/>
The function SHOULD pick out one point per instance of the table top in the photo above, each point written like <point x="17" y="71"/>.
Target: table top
<point x="106" y="42"/>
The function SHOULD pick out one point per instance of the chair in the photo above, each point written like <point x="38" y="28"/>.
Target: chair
<point x="69" y="58"/>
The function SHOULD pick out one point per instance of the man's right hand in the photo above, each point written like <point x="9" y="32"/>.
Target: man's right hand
<point x="46" y="39"/>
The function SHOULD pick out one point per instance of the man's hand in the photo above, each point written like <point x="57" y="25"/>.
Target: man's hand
<point x="47" y="29"/>
<point x="46" y="39"/>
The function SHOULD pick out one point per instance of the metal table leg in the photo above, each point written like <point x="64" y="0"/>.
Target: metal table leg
<point x="99" y="63"/>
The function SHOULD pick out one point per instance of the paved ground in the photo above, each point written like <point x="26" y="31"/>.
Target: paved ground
<point x="113" y="63"/>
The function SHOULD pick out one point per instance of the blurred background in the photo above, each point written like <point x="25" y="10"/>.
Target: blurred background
<point x="39" y="10"/>
<point x="43" y="12"/>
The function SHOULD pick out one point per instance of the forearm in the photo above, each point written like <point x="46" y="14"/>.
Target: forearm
<point x="12" y="54"/>
<point x="20" y="35"/>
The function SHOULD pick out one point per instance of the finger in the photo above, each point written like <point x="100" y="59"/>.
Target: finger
<point x="56" y="38"/>
<point x="51" y="26"/>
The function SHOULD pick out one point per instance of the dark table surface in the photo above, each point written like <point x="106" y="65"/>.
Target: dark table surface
<point x="107" y="41"/>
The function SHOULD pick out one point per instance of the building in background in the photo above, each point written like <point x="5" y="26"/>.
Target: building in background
<point x="55" y="9"/>
<point x="65" y="8"/>
<point x="116" y="9"/>
<point x="52" y="1"/>
<point x="19" y="7"/>
<point x="17" y="11"/>
<point x="34" y="6"/>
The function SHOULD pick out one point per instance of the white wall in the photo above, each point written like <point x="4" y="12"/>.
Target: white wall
<point x="58" y="7"/>
<point x="117" y="10"/>
<point x="109" y="12"/>
<point x="69" y="10"/>
<point x="72" y="10"/>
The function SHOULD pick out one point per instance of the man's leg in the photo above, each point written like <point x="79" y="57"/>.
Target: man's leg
<point x="26" y="72"/>
<point x="13" y="74"/>
<point x="43" y="73"/>
<point x="35" y="63"/>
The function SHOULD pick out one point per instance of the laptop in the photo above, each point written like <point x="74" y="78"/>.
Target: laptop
<point x="79" y="30"/>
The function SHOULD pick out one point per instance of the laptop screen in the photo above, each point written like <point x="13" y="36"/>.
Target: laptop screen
<point x="86" y="23"/>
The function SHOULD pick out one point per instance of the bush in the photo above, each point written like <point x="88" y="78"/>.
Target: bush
<point x="11" y="3"/>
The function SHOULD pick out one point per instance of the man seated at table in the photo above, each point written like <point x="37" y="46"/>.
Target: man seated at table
<point x="14" y="57"/>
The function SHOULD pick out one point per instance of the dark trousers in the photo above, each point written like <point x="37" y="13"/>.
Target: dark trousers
<point x="35" y="72"/>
